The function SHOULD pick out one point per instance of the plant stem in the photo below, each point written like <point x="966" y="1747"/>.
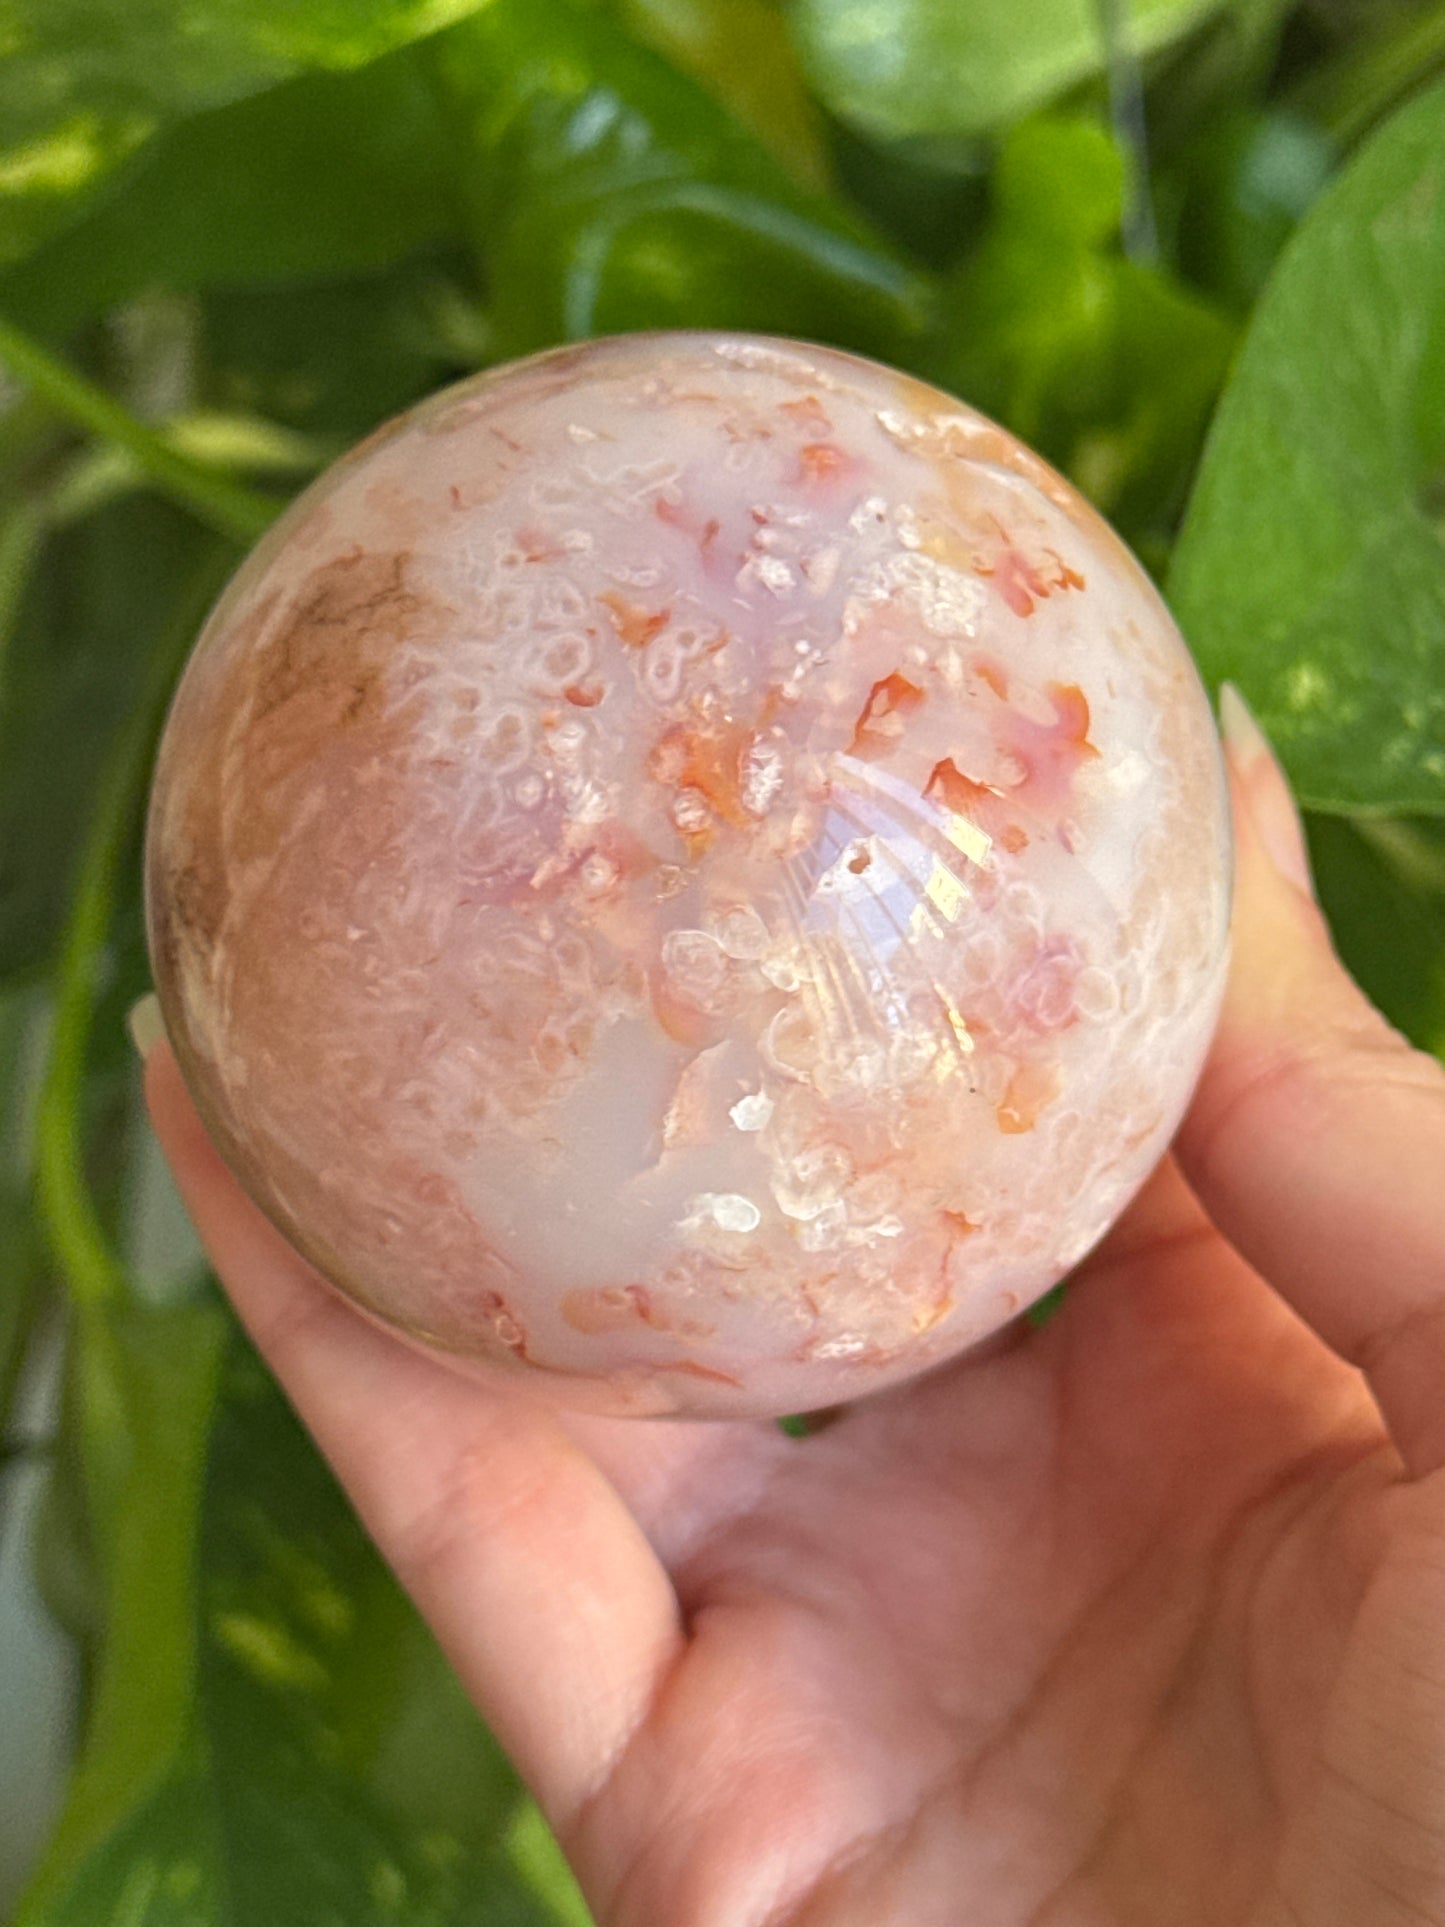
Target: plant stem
<point x="20" y="533"/>
<point x="91" y="1269"/>
<point x="233" y="510"/>
<point x="1127" y="112"/>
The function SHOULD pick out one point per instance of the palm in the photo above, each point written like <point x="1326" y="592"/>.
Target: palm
<point x="1045" y="1638"/>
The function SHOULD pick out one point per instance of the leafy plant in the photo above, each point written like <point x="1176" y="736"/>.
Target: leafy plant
<point x="233" y="238"/>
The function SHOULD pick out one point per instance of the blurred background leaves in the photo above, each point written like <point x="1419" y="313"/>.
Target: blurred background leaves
<point x="237" y="234"/>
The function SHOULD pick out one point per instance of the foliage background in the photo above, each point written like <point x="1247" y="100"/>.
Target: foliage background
<point x="234" y="235"/>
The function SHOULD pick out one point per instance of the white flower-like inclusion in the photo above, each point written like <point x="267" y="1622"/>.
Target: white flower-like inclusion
<point x="693" y="866"/>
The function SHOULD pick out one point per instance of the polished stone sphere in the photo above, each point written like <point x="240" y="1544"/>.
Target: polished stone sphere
<point x="692" y="867"/>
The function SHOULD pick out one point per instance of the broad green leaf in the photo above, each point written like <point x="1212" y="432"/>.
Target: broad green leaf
<point x="611" y="192"/>
<point x="76" y="667"/>
<point x="1208" y="77"/>
<point x="927" y="195"/>
<point x="1382" y="884"/>
<point x="1108" y="366"/>
<point x="1251" y="180"/>
<point x="740" y="52"/>
<point x="1401" y="49"/>
<point x="257" y="1660"/>
<point x="533" y="1851"/>
<point x="327" y="175"/>
<point x="965" y="67"/>
<point x="1311" y="570"/>
<point x="83" y="83"/>
<point x="335" y="357"/>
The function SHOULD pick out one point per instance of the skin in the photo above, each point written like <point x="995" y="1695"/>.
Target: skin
<point x="1135" y="1618"/>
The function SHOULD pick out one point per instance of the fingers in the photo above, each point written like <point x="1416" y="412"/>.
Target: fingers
<point x="1316" y="1141"/>
<point x="536" y="1579"/>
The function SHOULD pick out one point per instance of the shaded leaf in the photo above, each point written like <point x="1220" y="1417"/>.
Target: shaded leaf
<point x="327" y="175"/>
<point x="898" y="67"/>
<point x="740" y="52"/>
<point x="1382" y="885"/>
<point x="613" y="193"/>
<point x="335" y="356"/>
<point x="1311" y="570"/>
<point x="1108" y="366"/>
<point x="76" y="668"/>
<point x="85" y="82"/>
<point x="928" y="195"/>
<point x="1250" y="183"/>
<point x="1401" y="49"/>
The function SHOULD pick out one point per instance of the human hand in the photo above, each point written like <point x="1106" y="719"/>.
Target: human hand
<point x="1136" y="1620"/>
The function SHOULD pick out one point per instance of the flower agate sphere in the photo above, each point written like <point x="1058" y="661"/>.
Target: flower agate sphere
<point x="694" y="866"/>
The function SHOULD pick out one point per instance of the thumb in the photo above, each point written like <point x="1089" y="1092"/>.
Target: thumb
<point x="1316" y="1140"/>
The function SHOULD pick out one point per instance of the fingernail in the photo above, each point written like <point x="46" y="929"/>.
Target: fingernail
<point x="1271" y="805"/>
<point x="144" y="1023"/>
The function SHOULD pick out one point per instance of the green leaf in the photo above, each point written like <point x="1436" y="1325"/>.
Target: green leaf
<point x="1251" y="181"/>
<point x="84" y="83"/>
<point x="1311" y="570"/>
<point x="338" y="356"/>
<point x="534" y="1852"/>
<point x="228" y="506"/>
<point x="613" y="193"/>
<point x="1401" y="50"/>
<point x="740" y="52"/>
<point x="327" y="175"/>
<point x="1382" y="885"/>
<point x="257" y="1662"/>
<point x="900" y="67"/>
<point x="76" y="669"/>
<point x="1047" y="1307"/>
<point x="1108" y="366"/>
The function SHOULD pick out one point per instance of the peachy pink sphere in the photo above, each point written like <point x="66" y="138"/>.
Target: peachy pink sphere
<point x="693" y="867"/>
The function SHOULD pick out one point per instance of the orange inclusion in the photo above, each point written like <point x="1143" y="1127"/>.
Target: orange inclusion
<point x="623" y="848"/>
<point x="807" y="412"/>
<point x="959" y="1226"/>
<point x="537" y="547"/>
<point x="1023" y="583"/>
<point x="634" y="626"/>
<point x="709" y="761"/>
<point x="1050" y="752"/>
<point x="677" y="518"/>
<point x="959" y="792"/>
<point x="823" y="461"/>
<point x="1031" y="1089"/>
<point x="978" y="802"/>
<point x="994" y="675"/>
<point x="609" y="1308"/>
<point x="583" y="695"/>
<point x="677" y="1018"/>
<point x="694" y="1370"/>
<point x="878" y="727"/>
